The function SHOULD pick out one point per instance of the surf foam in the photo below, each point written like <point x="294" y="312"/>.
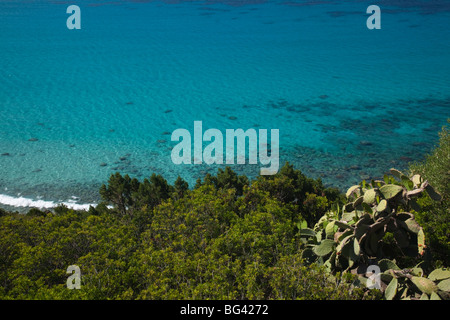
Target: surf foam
<point x="42" y="204"/>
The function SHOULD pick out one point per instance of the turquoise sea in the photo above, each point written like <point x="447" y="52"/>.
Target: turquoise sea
<point x="349" y="102"/>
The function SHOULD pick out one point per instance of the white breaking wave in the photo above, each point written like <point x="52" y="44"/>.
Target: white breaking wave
<point x="42" y="204"/>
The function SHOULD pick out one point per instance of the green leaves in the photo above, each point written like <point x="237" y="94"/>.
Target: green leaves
<point x="324" y="247"/>
<point x="370" y="196"/>
<point x="382" y="206"/>
<point x="226" y="238"/>
<point x="353" y="190"/>
<point x="119" y="192"/>
<point x="444" y="285"/>
<point x="386" y="264"/>
<point x="417" y="180"/>
<point x="302" y="224"/>
<point x="432" y="193"/>
<point x="391" y="289"/>
<point x="421" y="241"/>
<point x="425" y="285"/>
<point x="412" y="225"/>
<point x="390" y="191"/>
<point x="411" y="281"/>
<point x="307" y="232"/>
<point x="398" y="174"/>
<point x="348" y="216"/>
<point x="439" y="274"/>
<point x="330" y="229"/>
<point x="372" y="226"/>
<point x="356" y="247"/>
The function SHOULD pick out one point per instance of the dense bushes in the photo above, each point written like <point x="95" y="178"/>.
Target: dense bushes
<point x="226" y="238"/>
<point x="435" y="217"/>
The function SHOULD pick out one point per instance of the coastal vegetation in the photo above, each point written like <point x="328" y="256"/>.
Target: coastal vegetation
<point x="284" y="236"/>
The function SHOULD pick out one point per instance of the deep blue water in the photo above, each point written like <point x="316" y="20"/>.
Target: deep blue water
<point x="349" y="102"/>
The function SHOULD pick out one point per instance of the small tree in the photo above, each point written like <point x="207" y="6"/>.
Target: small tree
<point x="119" y="192"/>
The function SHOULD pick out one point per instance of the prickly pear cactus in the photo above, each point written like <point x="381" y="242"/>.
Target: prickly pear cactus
<point x="376" y="221"/>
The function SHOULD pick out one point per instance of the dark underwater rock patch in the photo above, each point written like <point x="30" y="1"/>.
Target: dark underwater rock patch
<point x="365" y="143"/>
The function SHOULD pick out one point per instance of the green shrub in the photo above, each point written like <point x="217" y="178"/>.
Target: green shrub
<point x="231" y="238"/>
<point x="435" y="217"/>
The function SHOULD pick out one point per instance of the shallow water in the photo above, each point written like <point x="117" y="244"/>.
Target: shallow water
<point x="350" y="103"/>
